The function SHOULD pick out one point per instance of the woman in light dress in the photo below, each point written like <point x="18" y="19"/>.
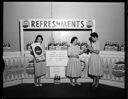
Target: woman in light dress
<point x="39" y="67"/>
<point x="95" y="62"/>
<point x="74" y="68"/>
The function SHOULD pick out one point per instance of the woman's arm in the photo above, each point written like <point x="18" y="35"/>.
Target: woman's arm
<point x="31" y="52"/>
<point x="76" y="54"/>
<point x="82" y="51"/>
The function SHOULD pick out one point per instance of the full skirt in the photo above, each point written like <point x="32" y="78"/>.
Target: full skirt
<point x="73" y="68"/>
<point x="95" y="65"/>
<point x="40" y="69"/>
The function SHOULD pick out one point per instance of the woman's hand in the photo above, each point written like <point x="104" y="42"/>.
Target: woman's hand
<point x="85" y="50"/>
<point x="76" y="56"/>
<point x="90" y="48"/>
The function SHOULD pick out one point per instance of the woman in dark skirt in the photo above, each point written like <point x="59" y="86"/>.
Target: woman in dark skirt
<point x="40" y="67"/>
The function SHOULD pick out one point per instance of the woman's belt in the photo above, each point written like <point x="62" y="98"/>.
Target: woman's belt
<point x="73" y="56"/>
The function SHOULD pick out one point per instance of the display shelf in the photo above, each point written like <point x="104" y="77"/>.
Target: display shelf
<point x="9" y="54"/>
<point x="15" y="66"/>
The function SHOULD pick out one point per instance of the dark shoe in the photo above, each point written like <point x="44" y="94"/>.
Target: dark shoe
<point x="96" y="85"/>
<point x="93" y="84"/>
<point x="78" y="83"/>
<point x="72" y="84"/>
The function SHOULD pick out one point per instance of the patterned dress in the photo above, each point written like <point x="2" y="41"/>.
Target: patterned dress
<point x="73" y="68"/>
<point x="40" y="67"/>
<point x="95" y="62"/>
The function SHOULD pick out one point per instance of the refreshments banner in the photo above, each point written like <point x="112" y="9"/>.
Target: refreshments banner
<point x="58" y="24"/>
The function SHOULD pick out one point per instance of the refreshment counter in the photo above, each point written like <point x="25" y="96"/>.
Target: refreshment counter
<point x="15" y="68"/>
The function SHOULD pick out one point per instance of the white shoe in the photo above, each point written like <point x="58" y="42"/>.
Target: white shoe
<point x="40" y="84"/>
<point x="36" y="85"/>
<point x="78" y="83"/>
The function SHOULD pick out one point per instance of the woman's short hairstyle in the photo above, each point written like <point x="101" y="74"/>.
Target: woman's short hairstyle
<point x="38" y="37"/>
<point x="94" y="34"/>
<point x="73" y="39"/>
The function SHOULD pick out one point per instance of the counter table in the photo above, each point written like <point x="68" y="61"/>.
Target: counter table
<point x="15" y="69"/>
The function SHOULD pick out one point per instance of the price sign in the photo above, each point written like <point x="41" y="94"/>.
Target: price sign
<point x="56" y="58"/>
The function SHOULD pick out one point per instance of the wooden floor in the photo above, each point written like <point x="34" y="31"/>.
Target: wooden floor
<point x="63" y="90"/>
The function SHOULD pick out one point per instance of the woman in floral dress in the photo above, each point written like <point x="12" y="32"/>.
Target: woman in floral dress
<point x="74" y="68"/>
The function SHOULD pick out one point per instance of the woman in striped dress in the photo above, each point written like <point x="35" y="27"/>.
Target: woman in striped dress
<point x="95" y="62"/>
<point x="74" y="68"/>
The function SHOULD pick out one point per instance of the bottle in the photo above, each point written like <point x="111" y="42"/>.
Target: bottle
<point x="112" y="46"/>
<point x="105" y="45"/>
<point x="56" y="45"/>
<point x="9" y="46"/>
<point x="59" y="80"/>
<point x="60" y="45"/>
<point x="29" y="44"/>
<point x="46" y="47"/>
<point x="6" y="45"/>
<point x="50" y="45"/>
<point x="64" y="45"/>
<point x="122" y="47"/>
<point x="55" y="79"/>
<point x="107" y="48"/>
<point x="53" y="46"/>
<point x="3" y="45"/>
<point x="118" y="47"/>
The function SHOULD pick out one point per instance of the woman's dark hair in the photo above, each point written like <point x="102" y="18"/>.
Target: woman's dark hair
<point x="94" y="34"/>
<point x="90" y="39"/>
<point x="38" y="36"/>
<point x="73" y="39"/>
